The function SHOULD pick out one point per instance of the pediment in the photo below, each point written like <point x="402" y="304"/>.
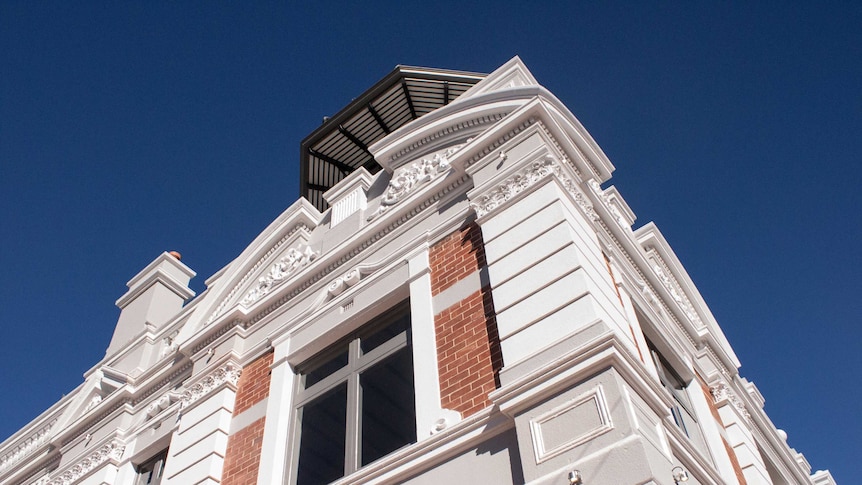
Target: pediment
<point x="274" y="258"/>
<point x="513" y="74"/>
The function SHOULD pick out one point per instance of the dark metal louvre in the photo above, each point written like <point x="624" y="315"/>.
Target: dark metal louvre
<point x="340" y="145"/>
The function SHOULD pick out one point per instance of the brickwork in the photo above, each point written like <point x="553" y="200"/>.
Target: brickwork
<point x="468" y="353"/>
<point x="242" y="458"/>
<point x="468" y="346"/>
<point x="253" y="385"/>
<point x="456" y="256"/>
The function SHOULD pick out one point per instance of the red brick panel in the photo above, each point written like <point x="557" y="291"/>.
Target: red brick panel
<point x="456" y="256"/>
<point x="253" y="385"/>
<point x="468" y="353"/>
<point x="242" y="458"/>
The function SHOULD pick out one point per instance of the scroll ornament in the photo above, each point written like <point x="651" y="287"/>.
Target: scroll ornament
<point x="280" y="271"/>
<point x="516" y="184"/>
<point x="343" y="282"/>
<point x="417" y="174"/>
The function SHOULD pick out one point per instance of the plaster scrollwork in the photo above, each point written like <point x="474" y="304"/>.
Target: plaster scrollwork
<point x="170" y="344"/>
<point x="515" y="184"/>
<point x="416" y="174"/>
<point x="648" y="294"/>
<point x="29" y="445"/>
<point x="163" y="403"/>
<point x="341" y="283"/>
<point x="228" y="373"/>
<point x="110" y="451"/>
<point x="288" y="264"/>
<point x="676" y="293"/>
<point x="721" y="392"/>
<point x="526" y="178"/>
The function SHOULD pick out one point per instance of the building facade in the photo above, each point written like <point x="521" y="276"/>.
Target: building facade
<point x="455" y="299"/>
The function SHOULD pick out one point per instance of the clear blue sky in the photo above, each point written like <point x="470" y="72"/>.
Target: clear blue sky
<point x="128" y="129"/>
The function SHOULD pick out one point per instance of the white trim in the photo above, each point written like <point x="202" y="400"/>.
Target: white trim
<point x="595" y="395"/>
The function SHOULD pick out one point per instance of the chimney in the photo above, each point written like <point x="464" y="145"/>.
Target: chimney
<point x="155" y="295"/>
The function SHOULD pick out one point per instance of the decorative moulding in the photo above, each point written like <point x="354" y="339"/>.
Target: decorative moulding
<point x="163" y="403"/>
<point x="227" y="373"/>
<point x="588" y="410"/>
<point x="459" y="130"/>
<point x="610" y="198"/>
<point x="111" y="451"/>
<point x="341" y="283"/>
<point x="721" y="393"/>
<point x="299" y="227"/>
<point x="407" y="179"/>
<point x="290" y="263"/>
<point x="27" y="446"/>
<point x="488" y="201"/>
<point x="672" y="286"/>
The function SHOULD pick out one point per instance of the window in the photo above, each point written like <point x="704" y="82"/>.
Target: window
<point x="356" y="401"/>
<point x="682" y="411"/>
<point x="150" y="472"/>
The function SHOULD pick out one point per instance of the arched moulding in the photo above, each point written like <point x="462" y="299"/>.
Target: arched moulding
<point x="407" y="179"/>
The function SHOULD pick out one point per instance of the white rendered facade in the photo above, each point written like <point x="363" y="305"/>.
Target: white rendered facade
<point x="610" y="362"/>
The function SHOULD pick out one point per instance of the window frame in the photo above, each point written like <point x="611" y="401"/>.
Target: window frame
<point x="157" y="462"/>
<point x="684" y="416"/>
<point x="356" y="364"/>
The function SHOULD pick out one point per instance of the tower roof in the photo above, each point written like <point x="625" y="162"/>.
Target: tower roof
<point x="340" y="145"/>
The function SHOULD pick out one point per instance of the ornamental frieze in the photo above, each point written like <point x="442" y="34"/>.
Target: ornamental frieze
<point x="227" y="373"/>
<point x="110" y="451"/>
<point x="526" y="178"/>
<point x="288" y="264"/>
<point x="417" y="174"/>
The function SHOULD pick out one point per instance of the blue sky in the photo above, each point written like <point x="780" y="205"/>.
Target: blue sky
<point x="129" y="129"/>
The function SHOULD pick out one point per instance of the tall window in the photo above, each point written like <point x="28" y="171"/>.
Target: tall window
<point x="682" y="411"/>
<point x="356" y="403"/>
<point x="150" y="472"/>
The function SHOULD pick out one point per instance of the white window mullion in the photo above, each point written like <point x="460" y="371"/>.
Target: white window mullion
<point x="354" y="403"/>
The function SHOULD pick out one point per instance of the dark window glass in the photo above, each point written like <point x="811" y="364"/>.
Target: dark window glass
<point x="386" y="333"/>
<point x="324" y="370"/>
<point x="321" y="445"/>
<point x="388" y="407"/>
<point x="358" y="400"/>
<point x="150" y="472"/>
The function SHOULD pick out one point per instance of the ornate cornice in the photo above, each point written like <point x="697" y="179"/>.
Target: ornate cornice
<point x="228" y="373"/>
<point x="526" y="178"/>
<point x="721" y="392"/>
<point x="27" y="446"/>
<point x="609" y="205"/>
<point x="288" y="264"/>
<point x="673" y="287"/>
<point x="110" y="451"/>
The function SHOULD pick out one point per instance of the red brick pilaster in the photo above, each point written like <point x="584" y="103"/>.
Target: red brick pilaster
<point x="468" y="347"/>
<point x="242" y="457"/>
